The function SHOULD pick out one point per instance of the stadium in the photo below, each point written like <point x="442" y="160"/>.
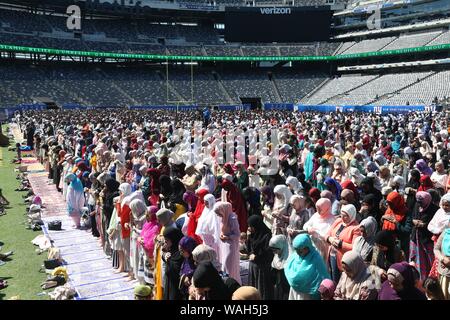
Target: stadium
<point x="217" y="149"/>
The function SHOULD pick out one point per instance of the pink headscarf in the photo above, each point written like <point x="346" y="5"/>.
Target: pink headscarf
<point x="323" y="206"/>
<point x="327" y="288"/>
<point x="150" y="230"/>
<point x="226" y="210"/>
<point x="37" y="200"/>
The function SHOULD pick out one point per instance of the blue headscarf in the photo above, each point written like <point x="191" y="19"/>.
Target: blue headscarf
<point x="396" y="144"/>
<point x="309" y="165"/>
<point x="305" y="274"/>
<point x="75" y="183"/>
<point x="446" y="243"/>
<point x="336" y="184"/>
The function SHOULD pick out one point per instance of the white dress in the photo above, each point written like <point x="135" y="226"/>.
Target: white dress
<point x="321" y="226"/>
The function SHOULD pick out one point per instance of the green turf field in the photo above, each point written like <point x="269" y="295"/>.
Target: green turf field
<point x="22" y="268"/>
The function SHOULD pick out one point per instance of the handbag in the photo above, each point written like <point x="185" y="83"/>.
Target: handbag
<point x="55" y="225"/>
<point x="52" y="264"/>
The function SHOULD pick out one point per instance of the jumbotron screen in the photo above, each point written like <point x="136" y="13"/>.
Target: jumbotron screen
<point x="277" y="24"/>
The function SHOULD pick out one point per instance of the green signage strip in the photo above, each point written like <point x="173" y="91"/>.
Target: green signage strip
<point x="112" y="55"/>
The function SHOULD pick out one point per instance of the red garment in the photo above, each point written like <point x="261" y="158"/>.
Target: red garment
<point x="193" y="219"/>
<point x="154" y="174"/>
<point x="347" y="235"/>
<point x="234" y="197"/>
<point x="123" y="212"/>
<point x="397" y="208"/>
<point x="348" y="184"/>
<point x="425" y="183"/>
<point x="228" y="168"/>
<point x="314" y="193"/>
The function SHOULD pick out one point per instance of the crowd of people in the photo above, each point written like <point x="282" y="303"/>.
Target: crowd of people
<point x="357" y="206"/>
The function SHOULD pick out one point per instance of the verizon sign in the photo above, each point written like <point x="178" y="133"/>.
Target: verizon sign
<point x="275" y="10"/>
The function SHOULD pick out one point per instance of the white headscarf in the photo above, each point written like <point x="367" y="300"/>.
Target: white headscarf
<point x="279" y="242"/>
<point x="286" y="193"/>
<point x="441" y="218"/>
<point x="296" y="185"/>
<point x="351" y="211"/>
<point x="209" y="222"/>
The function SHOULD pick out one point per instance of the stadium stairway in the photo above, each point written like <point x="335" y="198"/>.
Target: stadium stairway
<point x="305" y="99"/>
<point x="348" y="91"/>
<point x="275" y="89"/>
<point x="387" y="95"/>
<point x="222" y="88"/>
<point x="387" y="44"/>
<point x="131" y="100"/>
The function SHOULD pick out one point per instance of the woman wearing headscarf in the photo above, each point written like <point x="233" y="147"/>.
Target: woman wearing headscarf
<point x="246" y="293"/>
<point x="114" y="230"/>
<point x="421" y="243"/>
<point x="209" y="284"/>
<point x="437" y="224"/>
<point x="411" y="188"/>
<point x="176" y="202"/>
<point x="355" y="176"/>
<point x="294" y="185"/>
<point x="208" y="178"/>
<point x="165" y="220"/>
<point x="396" y="144"/>
<point x="305" y="270"/>
<point x="322" y="173"/>
<point x="241" y="176"/>
<point x="314" y="194"/>
<point x="166" y="190"/>
<point x="440" y="178"/>
<point x="363" y="245"/>
<point x="367" y="187"/>
<point x="442" y="254"/>
<point x="397" y="219"/>
<point x="150" y="231"/>
<point x="309" y="164"/>
<point x="173" y="261"/>
<point x="369" y="208"/>
<point x="154" y="187"/>
<point x="340" y="237"/>
<point x="348" y="197"/>
<point x="400" y="284"/>
<point x="137" y="219"/>
<point x="279" y="217"/>
<point x="268" y="201"/>
<point x="195" y="216"/>
<point x="333" y="186"/>
<point x="186" y="246"/>
<point x="385" y="252"/>
<point x="234" y="196"/>
<point x="423" y="168"/>
<point x="319" y="225"/>
<point x="279" y="245"/>
<point x="425" y="183"/>
<point x="260" y="258"/>
<point x="356" y="283"/>
<point x="75" y="198"/>
<point x="208" y="226"/>
<point x="252" y="197"/>
<point x="204" y="253"/>
<point x="229" y="236"/>
<point x="124" y="214"/>
<point x="297" y="219"/>
<point x="110" y="191"/>
<point x="338" y="173"/>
